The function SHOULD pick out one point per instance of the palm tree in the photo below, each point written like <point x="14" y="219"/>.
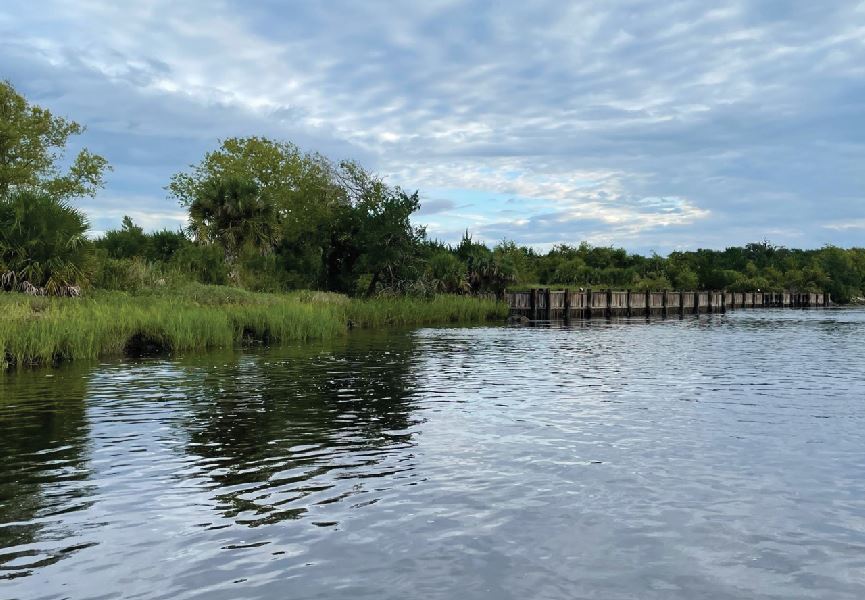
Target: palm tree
<point x="234" y="214"/>
<point x="43" y="246"/>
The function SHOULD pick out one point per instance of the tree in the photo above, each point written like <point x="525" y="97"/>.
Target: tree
<point x="232" y="213"/>
<point x="165" y="244"/>
<point x="520" y="259"/>
<point x="43" y="247"/>
<point x="32" y="147"/>
<point x="376" y="230"/>
<point x="684" y="279"/>
<point x="126" y="242"/>
<point x="843" y="279"/>
<point x="299" y="188"/>
<point x="447" y="273"/>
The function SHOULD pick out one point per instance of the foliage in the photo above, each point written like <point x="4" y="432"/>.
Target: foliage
<point x="195" y="316"/>
<point x="292" y="196"/>
<point x="327" y="225"/>
<point x="447" y="273"/>
<point x="42" y="244"/>
<point x="126" y="242"/>
<point x="758" y="266"/>
<point x="233" y="213"/>
<point x="266" y="216"/>
<point x="131" y="241"/>
<point x="32" y="147"/>
<point x="373" y="233"/>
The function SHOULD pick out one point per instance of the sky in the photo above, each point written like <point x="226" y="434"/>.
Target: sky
<point x="653" y="126"/>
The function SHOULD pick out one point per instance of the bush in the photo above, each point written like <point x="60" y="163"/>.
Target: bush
<point x="42" y="244"/>
<point x="205" y="263"/>
<point x="132" y="274"/>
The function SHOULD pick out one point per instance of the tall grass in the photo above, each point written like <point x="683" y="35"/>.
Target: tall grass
<point x="402" y="311"/>
<point x="48" y="330"/>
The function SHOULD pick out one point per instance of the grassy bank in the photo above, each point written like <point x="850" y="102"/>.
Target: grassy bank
<point x="47" y="330"/>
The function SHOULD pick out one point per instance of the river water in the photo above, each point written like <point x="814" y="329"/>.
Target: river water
<point x="707" y="457"/>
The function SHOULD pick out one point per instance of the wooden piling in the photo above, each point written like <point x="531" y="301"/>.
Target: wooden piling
<point x="543" y="303"/>
<point x="549" y="305"/>
<point x="533" y="304"/>
<point x="588" y="308"/>
<point x="567" y="305"/>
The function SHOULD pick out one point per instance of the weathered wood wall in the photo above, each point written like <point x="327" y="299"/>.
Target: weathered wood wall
<point x="546" y="304"/>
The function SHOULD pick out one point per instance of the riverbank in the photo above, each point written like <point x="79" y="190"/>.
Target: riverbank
<point x="41" y="330"/>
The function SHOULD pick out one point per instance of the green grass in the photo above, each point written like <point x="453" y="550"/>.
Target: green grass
<point x="405" y="311"/>
<point x="49" y="330"/>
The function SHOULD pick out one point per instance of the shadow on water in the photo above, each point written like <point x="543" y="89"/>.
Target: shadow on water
<point x="301" y="425"/>
<point x="255" y="436"/>
<point x="43" y="466"/>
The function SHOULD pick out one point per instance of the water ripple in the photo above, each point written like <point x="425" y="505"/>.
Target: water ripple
<point x="715" y="457"/>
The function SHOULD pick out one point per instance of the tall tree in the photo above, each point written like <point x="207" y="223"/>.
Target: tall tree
<point x="32" y="147"/>
<point x="299" y="189"/>
<point x="232" y="212"/>
<point x="375" y="232"/>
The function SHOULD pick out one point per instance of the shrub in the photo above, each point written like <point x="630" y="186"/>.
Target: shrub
<point x="43" y="246"/>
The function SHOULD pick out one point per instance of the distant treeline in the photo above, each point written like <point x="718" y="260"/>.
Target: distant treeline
<point x="129" y="258"/>
<point x="267" y="216"/>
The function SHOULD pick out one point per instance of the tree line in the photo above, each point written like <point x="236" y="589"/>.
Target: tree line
<point x="265" y="215"/>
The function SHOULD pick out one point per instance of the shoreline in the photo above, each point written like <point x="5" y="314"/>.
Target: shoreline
<point x="46" y="331"/>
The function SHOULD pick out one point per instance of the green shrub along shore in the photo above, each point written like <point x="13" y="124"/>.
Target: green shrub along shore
<point x="264" y="219"/>
<point x="48" y="330"/>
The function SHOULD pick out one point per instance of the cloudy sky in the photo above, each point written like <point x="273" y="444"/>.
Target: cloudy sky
<point x="648" y="125"/>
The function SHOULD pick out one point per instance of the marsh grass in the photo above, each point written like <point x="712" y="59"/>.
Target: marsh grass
<point x="405" y="311"/>
<point x="50" y="330"/>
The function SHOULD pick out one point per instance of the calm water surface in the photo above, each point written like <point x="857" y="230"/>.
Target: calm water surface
<point x="710" y="457"/>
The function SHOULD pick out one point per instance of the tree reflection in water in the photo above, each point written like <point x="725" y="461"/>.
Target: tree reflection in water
<point x="43" y="466"/>
<point x="306" y="425"/>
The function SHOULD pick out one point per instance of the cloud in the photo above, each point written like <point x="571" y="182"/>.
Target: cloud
<point x="653" y="126"/>
<point x="435" y="206"/>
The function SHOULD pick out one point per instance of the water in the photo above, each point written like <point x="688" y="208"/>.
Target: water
<point x="710" y="457"/>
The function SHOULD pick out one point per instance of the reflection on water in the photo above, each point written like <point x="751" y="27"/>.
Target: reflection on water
<point x="43" y="473"/>
<point x="714" y="457"/>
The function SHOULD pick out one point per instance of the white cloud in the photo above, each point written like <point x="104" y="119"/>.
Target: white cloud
<point x="657" y="125"/>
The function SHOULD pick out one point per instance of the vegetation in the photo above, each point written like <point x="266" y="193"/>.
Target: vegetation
<point x="757" y="266"/>
<point x="32" y="145"/>
<point x="42" y="244"/>
<point x="269" y="219"/>
<point x="44" y="330"/>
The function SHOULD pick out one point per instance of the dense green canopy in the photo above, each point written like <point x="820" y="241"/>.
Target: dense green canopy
<point x="32" y="148"/>
<point x="266" y="215"/>
<point x="42" y="244"/>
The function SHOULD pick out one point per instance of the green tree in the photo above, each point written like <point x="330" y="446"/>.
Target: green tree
<point x="520" y="258"/>
<point x="300" y="190"/>
<point x="126" y="242"/>
<point x="843" y="281"/>
<point x="378" y="236"/>
<point x="447" y="273"/>
<point x="685" y="279"/>
<point x="32" y="147"/>
<point x="232" y="213"/>
<point x="42" y="244"/>
<point x="165" y="244"/>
